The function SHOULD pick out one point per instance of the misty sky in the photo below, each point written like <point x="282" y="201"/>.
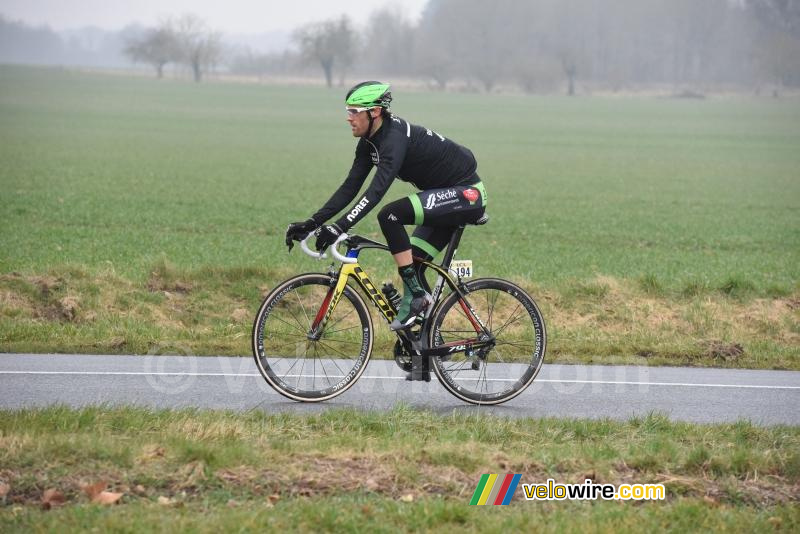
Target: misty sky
<point x="234" y="16"/>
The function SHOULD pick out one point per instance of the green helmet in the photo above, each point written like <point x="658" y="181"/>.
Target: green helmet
<point x="369" y="95"/>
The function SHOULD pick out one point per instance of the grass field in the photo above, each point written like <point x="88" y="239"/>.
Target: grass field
<point x="408" y="470"/>
<point x="137" y="211"/>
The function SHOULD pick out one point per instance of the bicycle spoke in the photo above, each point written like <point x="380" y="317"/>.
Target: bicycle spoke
<point x="335" y="350"/>
<point x="303" y="336"/>
<point x="482" y="373"/>
<point x="340" y="319"/>
<point x="498" y="355"/>
<point x="290" y="369"/>
<point x="494" y="304"/>
<point x="325" y="372"/>
<point x="489" y="312"/>
<point x="509" y="322"/>
<point x="296" y="294"/>
<point x="300" y="374"/>
<point x="299" y="327"/>
<point x="342" y="341"/>
<point x="337" y="366"/>
<point x="274" y="350"/>
<point x="471" y="331"/>
<point x="519" y="345"/>
<point x="342" y="330"/>
<point x="459" y="368"/>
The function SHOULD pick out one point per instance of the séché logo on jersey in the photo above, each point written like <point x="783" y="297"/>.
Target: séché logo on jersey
<point x="433" y="198"/>
<point x="358" y="208"/>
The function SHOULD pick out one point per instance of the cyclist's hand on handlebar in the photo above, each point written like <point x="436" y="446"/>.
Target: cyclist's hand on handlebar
<point x="327" y="236"/>
<point x="297" y="231"/>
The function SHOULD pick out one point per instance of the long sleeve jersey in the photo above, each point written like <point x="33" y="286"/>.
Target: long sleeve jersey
<point x="399" y="149"/>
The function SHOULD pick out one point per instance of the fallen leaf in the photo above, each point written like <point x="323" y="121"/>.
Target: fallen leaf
<point x="116" y="342"/>
<point x="273" y="498"/>
<point x="51" y="498"/>
<point x="193" y="473"/>
<point x="151" y="452"/>
<point x="165" y="501"/>
<point x="711" y="501"/>
<point x="4" y="489"/>
<point x="775" y="521"/>
<point x="240" y="315"/>
<point x="407" y="498"/>
<point x="93" y="490"/>
<point x="232" y="503"/>
<point x="140" y="489"/>
<point x="107" y="497"/>
<point x="69" y="307"/>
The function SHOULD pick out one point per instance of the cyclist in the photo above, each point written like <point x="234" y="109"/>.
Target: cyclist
<point x="451" y="191"/>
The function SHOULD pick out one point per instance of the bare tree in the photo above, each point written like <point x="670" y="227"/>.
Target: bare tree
<point x="330" y="43"/>
<point x="434" y="55"/>
<point x="390" y="38"/>
<point x="157" y="47"/>
<point x="778" y="40"/>
<point x="780" y="14"/>
<point x="199" y="46"/>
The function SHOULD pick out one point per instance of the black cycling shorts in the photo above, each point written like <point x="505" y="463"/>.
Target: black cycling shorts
<point x="437" y="212"/>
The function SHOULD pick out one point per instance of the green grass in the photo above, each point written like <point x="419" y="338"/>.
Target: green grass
<point x="350" y="470"/>
<point x="114" y="176"/>
<point x="372" y="514"/>
<point x="102" y="169"/>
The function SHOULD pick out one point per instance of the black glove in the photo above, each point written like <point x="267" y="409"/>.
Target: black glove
<point x="327" y="236"/>
<point x="298" y="231"/>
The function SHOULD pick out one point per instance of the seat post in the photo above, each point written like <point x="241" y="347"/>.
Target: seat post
<point x="455" y="239"/>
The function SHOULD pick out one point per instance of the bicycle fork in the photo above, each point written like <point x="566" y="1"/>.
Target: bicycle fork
<point x="326" y="309"/>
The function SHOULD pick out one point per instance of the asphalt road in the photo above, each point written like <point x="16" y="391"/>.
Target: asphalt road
<point x="618" y="392"/>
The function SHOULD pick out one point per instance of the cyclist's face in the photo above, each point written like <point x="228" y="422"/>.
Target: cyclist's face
<point x="359" y="122"/>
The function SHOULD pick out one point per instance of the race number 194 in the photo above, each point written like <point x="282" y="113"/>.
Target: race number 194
<point x="462" y="268"/>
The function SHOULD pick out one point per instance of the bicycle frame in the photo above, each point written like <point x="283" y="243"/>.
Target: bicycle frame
<point x="415" y="343"/>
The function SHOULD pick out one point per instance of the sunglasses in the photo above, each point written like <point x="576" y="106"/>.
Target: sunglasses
<point x="355" y="111"/>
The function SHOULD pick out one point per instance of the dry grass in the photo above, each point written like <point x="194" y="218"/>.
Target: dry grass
<point x="185" y="455"/>
<point x="602" y="320"/>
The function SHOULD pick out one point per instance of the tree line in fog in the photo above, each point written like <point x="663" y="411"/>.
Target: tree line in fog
<point x="535" y="45"/>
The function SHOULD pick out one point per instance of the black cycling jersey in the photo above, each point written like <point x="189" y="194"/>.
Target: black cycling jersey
<point x="399" y="149"/>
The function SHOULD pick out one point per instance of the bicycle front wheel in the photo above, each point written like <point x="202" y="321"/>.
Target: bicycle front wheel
<point x="499" y="373"/>
<point x="302" y="366"/>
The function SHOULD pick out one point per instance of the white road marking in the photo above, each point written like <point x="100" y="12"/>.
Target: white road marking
<point x="560" y="381"/>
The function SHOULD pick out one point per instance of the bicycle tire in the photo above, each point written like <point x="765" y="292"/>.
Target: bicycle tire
<point x="280" y="339"/>
<point x="520" y="343"/>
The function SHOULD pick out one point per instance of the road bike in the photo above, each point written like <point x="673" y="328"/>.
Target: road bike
<point x="484" y="338"/>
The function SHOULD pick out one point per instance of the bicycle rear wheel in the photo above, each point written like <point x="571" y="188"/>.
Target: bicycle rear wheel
<point x="499" y="373"/>
<point x="296" y="364"/>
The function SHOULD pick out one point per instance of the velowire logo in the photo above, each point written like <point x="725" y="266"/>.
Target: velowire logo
<point x="495" y="489"/>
